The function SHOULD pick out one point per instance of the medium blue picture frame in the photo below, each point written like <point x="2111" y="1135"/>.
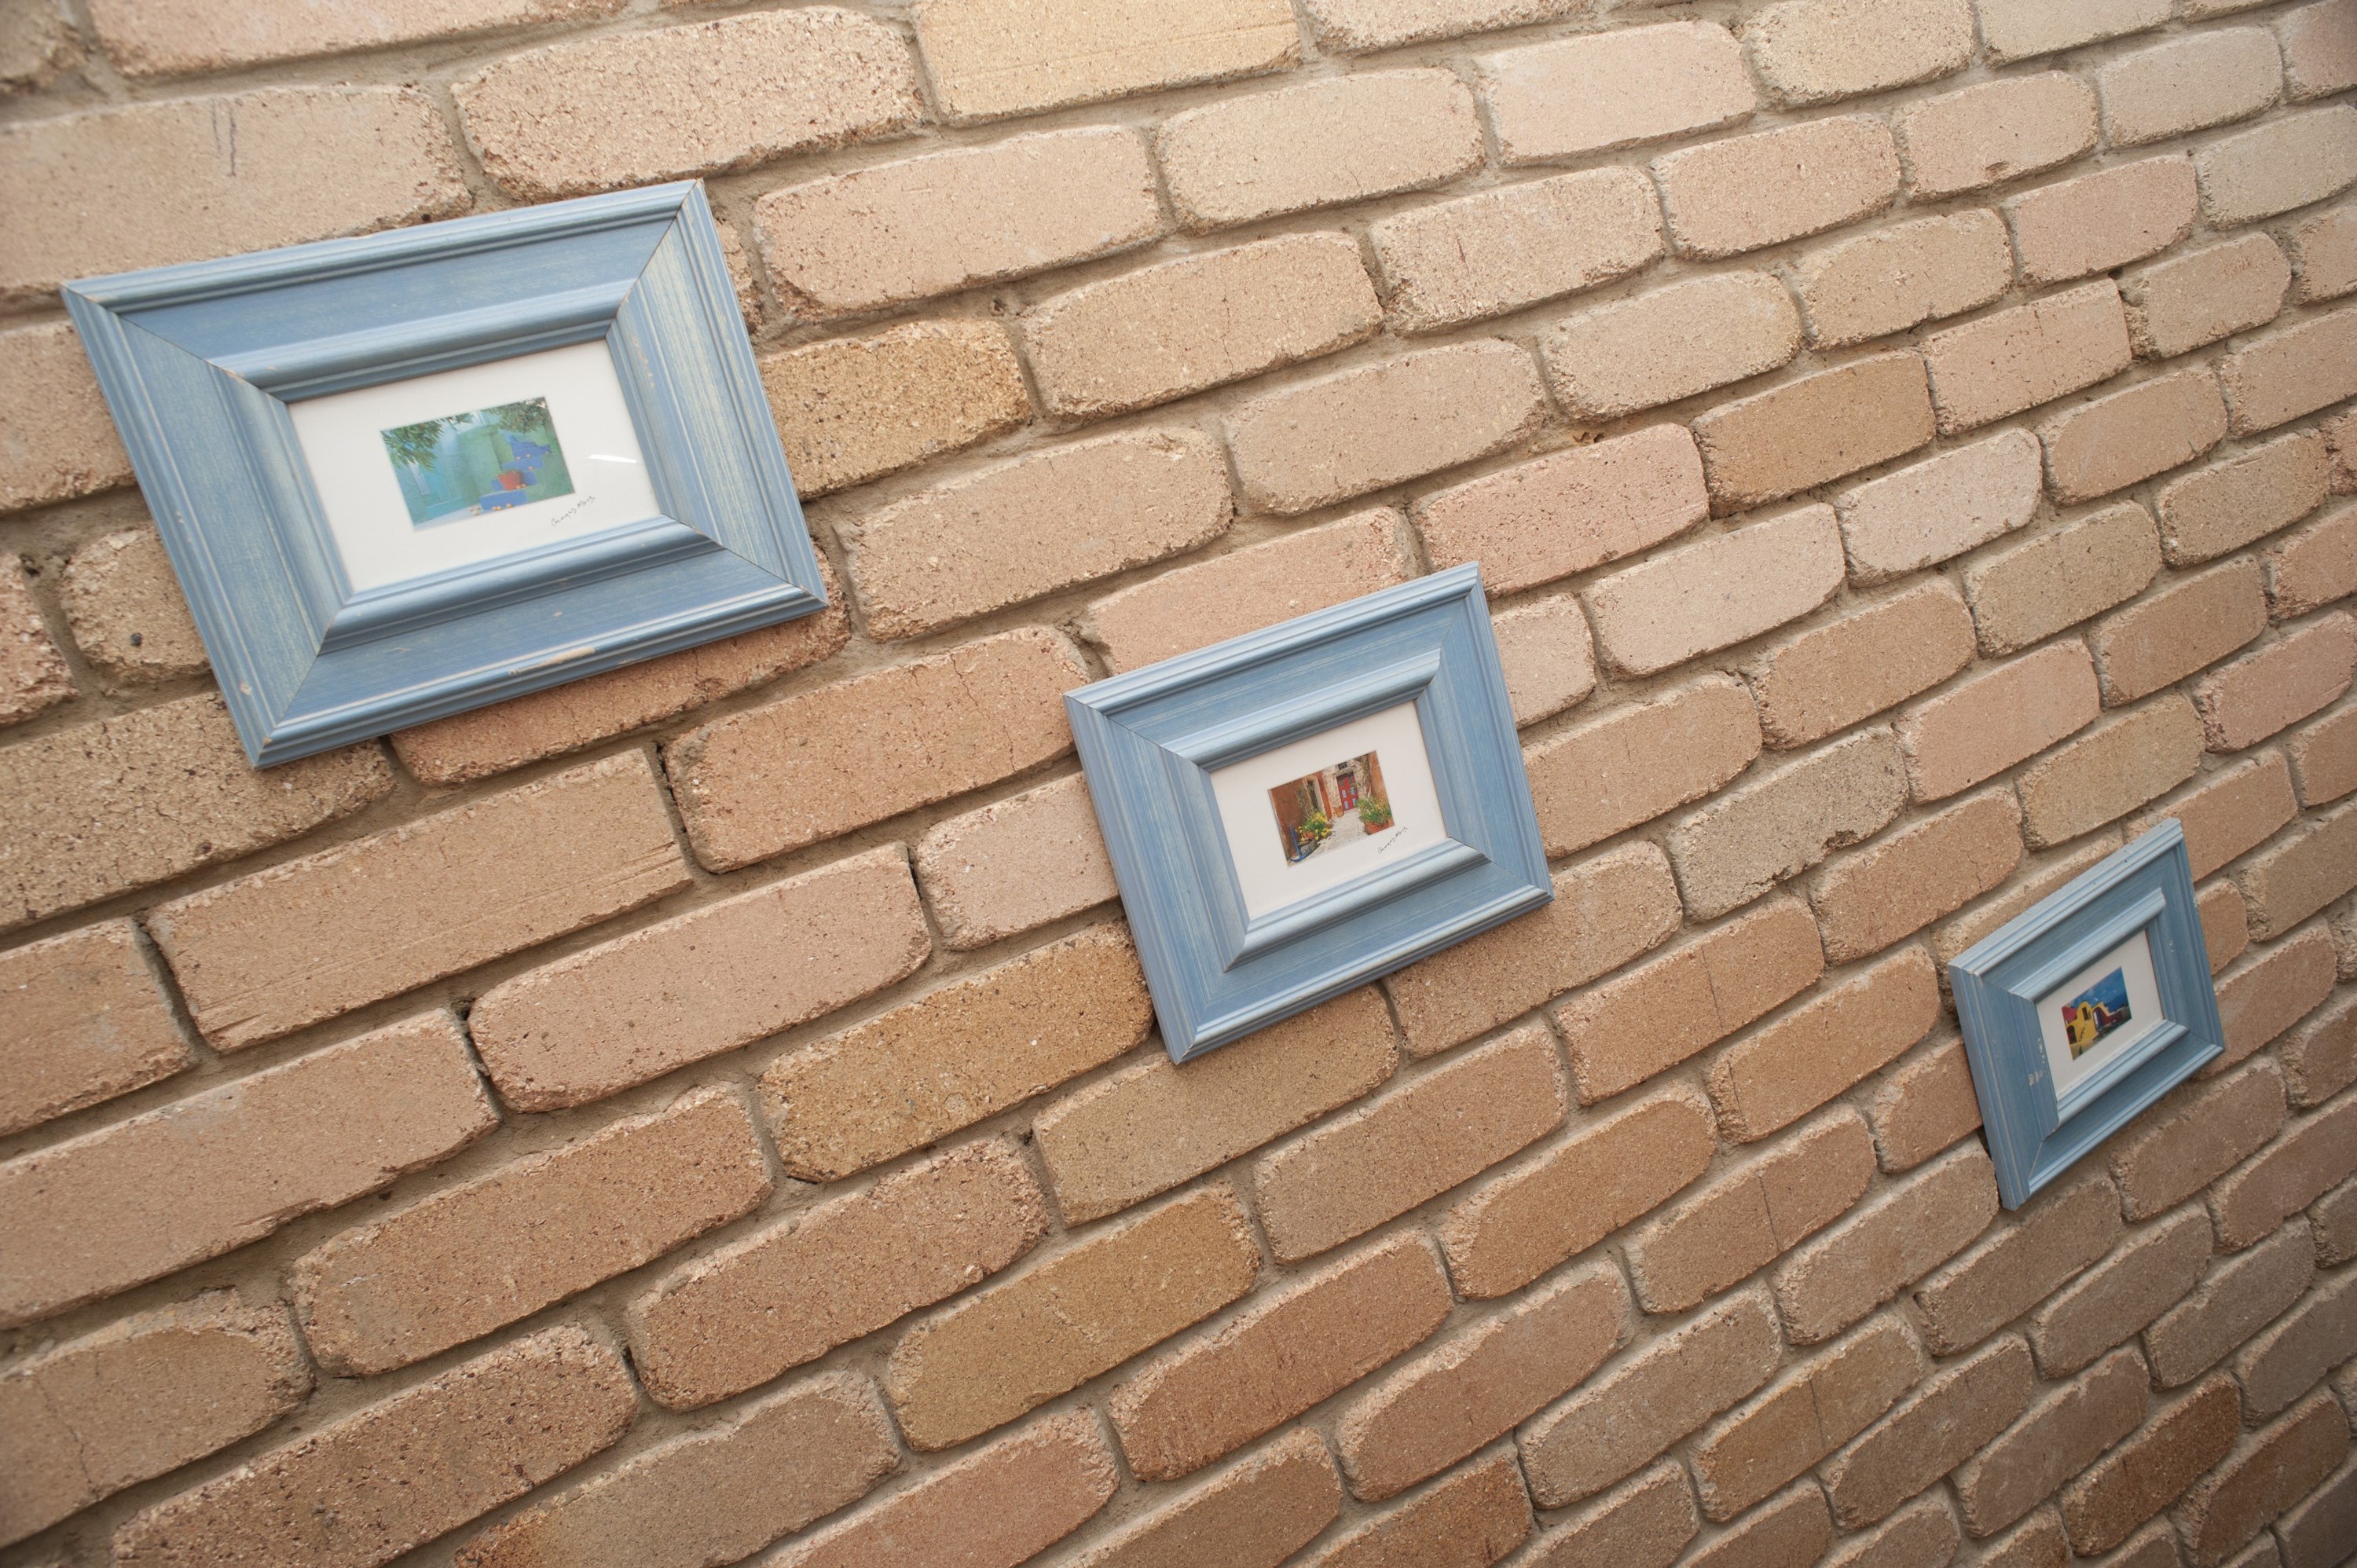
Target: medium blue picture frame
<point x="201" y="362"/>
<point x="1150" y="740"/>
<point x="2034" y="1133"/>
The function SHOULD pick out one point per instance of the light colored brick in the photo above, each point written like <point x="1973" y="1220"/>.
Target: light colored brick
<point x="1631" y="765"/>
<point x="1781" y="824"/>
<point x="1854" y="1268"/>
<point x="2296" y="877"/>
<point x="2319" y="50"/>
<point x="1346" y="138"/>
<point x="2059" y="1435"/>
<point x="990" y="58"/>
<point x="1954" y="1411"/>
<point x="2239" y="1296"/>
<point x="2324" y="255"/>
<point x="2315" y="567"/>
<point x="2189" y="82"/>
<point x="2262" y="997"/>
<point x="1548" y="655"/>
<point x="2320" y="1059"/>
<point x="2284" y="1362"/>
<point x="1471" y="1389"/>
<point x="2102" y="221"/>
<point x="1997" y="131"/>
<point x="2112" y="442"/>
<point x="1319" y="441"/>
<point x="368" y="1487"/>
<point x="1745" y="192"/>
<point x="1719" y="591"/>
<point x="1923" y="1534"/>
<point x="2187" y="301"/>
<point x="1867" y="900"/>
<point x="2169" y="635"/>
<point x="1048" y="519"/>
<point x="1357" y="26"/>
<point x="2324" y="758"/>
<point x="36" y="46"/>
<point x="1751" y="1214"/>
<point x="2116" y="1298"/>
<point x="2052" y="1238"/>
<point x="60" y="441"/>
<point x="793" y="1290"/>
<point x="124" y="802"/>
<point x="1941" y="507"/>
<point x="2341" y="439"/>
<point x="942" y="221"/>
<point x="2017" y="30"/>
<point x="1671" y="344"/>
<point x="2025" y="593"/>
<point x="1644" y="1524"/>
<point x="1500" y="250"/>
<point x="983" y="1042"/>
<point x="88" y="1022"/>
<point x="758" y="783"/>
<point x="2226" y="930"/>
<point x="1151" y="1126"/>
<point x="2236" y="810"/>
<point x="2194" y="1137"/>
<point x="2145" y="1473"/>
<point x="1790" y="1529"/>
<point x="1164" y="331"/>
<point x="138" y="1398"/>
<point x="1568" y="511"/>
<point x="1017" y="1344"/>
<point x="1924" y="1107"/>
<point x="2293" y="370"/>
<point x="1606" y="911"/>
<point x="1788" y="1069"/>
<point x="2247" y="497"/>
<point x="1827" y="678"/>
<point x="315" y="938"/>
<point x="2315" y="1153"/>
<point x="2288" y="162"/>
<point x="1469" y="1519"/>
<point x="176" y="38"/>
<point x="1575" y="96"/>
<point x="1811" y="50"/>
<point x="1669" y="1388"/>
<point x="2279" y="1466"/>
<point x="1192" y="606"/>
<point x="722" y="1491"/>
<point x="136" y="1200"/>
<point x="2302" y="671"/>
<point x="632" y="1009"/>
<point x="1015" y="865"/>
<point x="1886" y="281"/>
<point x="1285" y="1353"/>
<point x="2031" y="354"/>
<point x="854" y="409"/>
<point x="1982" y="726"/>
<point x="1253" y="1515"/>
<point x="1815" y="1408"/>
<point x="126" y="611"/>
<point x="2110" y="771"/>
<point x="311" y="163"/>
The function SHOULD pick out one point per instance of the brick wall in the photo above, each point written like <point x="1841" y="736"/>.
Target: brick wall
<point x="711" y="1110"/>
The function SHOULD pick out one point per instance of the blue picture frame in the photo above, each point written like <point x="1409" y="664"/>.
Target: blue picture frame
<point x="201" y="362"/>
<point x="1150" y="740"/>
<point x="2035" y="1130"/>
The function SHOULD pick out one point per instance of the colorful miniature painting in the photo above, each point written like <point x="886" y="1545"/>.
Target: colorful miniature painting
<point x="2096" y="1012"/>
<point x="1332" y="807"/>
<point x="486" y="460"/>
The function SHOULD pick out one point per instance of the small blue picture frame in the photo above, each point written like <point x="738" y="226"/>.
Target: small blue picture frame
<point x="202" y="363"/>
<point x="1153" y="743"/>
<point x="2118" y="960"/>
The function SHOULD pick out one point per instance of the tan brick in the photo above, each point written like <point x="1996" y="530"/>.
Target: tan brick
<point x="1412" y="1143"/>
<point x="2055" y="1235"/>
<point x="2240" y="1296"/>
<point x="1644" y="1524"/>
<point x="1192" y="606"/>
<point x="1815" y="1408"/>
<point x="2060" y="1436"/>
<point x="1923" y="1534"/>
<point x="35" y="46"/>
<point x="1000" y="1505"/>
<point x="1924" y="1107"/>
<point x="2031" y="354"/>
<point x="2292" y="371"/>
<point x="1631" y="765"/>
<point x="2277" y="1468"/>
<point x="792" y="1291"/>
<point x="1778" y="826"/>
<point x="1015" y="865"/>
<point x="136" y="1399"/>
<point x="88" y="1022"/>
<point x="2111" y="441"/>
<point x="1748" y="1215"/>
<point x="854" y="409"/>
<point x="1867" y="900"/>
<point x="1955" y="1413"/>
<point x="1724" y="589"/>
<point x="1623" y="1032"/>
<point x="176" y="37"/>
<point x="2315" y="1153"/>
<point x="1346" y="138"/>
<point x="2324" y="255"/>
<point x="126" y="611"/>
<point x="2289" y="161"/>
<point x="1564" y="1200"/>
<point x="2271" y="991"/>
<point x="758" y="783"/>
<point x="2145" y="1473"/>
<point x="784" y="1461"/>
<point x="2318" y="53"/>
<point x="2110" y="771"/>
<point x="990" y="58"/>
<point x="2320" y="1061"/>
<point x="1500" y="250"/>
<point x="2294" y="879"/>
<point x="1319" y="441"/>
<point x="61" y="441"/>
<point x="1286" y="1353"/>
<point x="1253" y="1515"/>
<point x="943" y="222"/>
<point x="2238" y="808"/>
<point x="2189" y="82"/>
<point x="1568" y="511"/>
<point x="1986" y="724"/>
<point x="318" y="937"/>
<point x="1014" y="1345"/>
<point x="1548" y="655"/>
<point x="2017" y="30"/>
<point x="1901" y="276"/>
<point x="1870" y="1258"/>
<point x="2198" y="298"/>
<point x="1745" y="192"/>
<point x="2194" y="1137"/>
<point x="2103" y="221"/>
<point x="311" y="163"/>
<point x="2301" y="671"/>
<point x="1811" y="50"/>
<point x="1151" y="1126"/>
<point x="1941" y="507"/>
<point x="1356" y="27"/>
<point x="33" y="673"/>
<point x="619" y="1014"/>
<point x="2293" y="1355"/>
<point x="2341" y="439"/>
<point x="1790" y="1531"/>
<point x="2250" y="495"/>
<point x="1606" y="911"/>
<point x="2315" y="567"/>
<point x="1623" y="1420"/>
<point x="1997" y="131"/>
<point x="1575" y="96"/>
<point x="1672" y="343"/>
<point x="1469" y="1519"/>
<point x="2115" y="1299"/>
<point x="2225" y="931"/>
<point x="949" y="1059"/>
<point x="2167" y="636"/>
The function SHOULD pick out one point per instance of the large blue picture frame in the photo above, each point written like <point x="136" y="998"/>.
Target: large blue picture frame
<point x="200" y="364"/>
<point x="2036" y="1129"/>
<point x="1151" y="740"/>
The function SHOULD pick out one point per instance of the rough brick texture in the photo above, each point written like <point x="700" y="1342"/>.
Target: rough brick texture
<point x="1752" y="1213"/>
<point x="1582" y="95"/>
<point x="987" y="61"/>
<point x="1746" y="192"/>
<point x="1499" y="251"/>
<point x="1941" y="507"/>
<point x="1963" y="141"/>
<point x="2030" y="354"/>
<point x="60" y="443"/>
<point x="88" y="1022"/>
<point x="1756" y="835"/>
<point x="854" y="409"/>
<point x="1724" y="590"/>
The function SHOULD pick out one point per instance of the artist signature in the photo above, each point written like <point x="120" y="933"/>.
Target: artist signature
<point x="560" y="518"/>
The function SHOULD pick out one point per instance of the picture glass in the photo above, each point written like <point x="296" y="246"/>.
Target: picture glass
<point x="1319" y="813"/>
<point x="462" y="467"/>
<point x="2099" y="1013"/>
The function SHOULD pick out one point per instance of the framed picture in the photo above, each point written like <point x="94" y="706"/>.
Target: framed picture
<point x="410" y="474"/>
<point x="2085" y="1010"/>
<point x="1293" y="813"/>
